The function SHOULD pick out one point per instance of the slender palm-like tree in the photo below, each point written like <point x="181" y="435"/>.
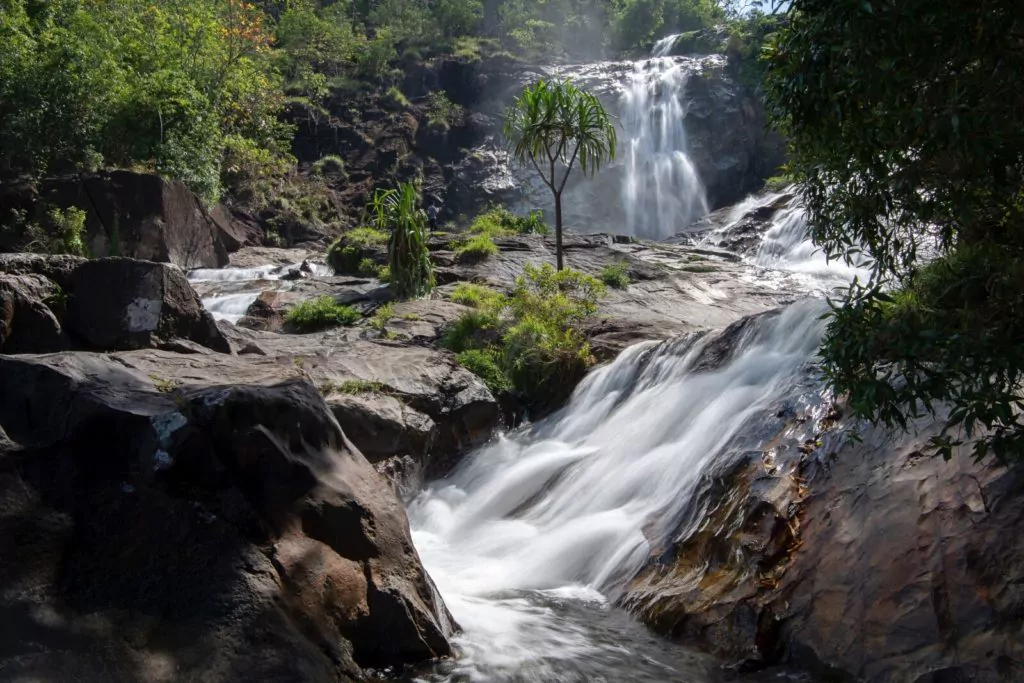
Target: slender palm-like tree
<point x="554" y="125"/>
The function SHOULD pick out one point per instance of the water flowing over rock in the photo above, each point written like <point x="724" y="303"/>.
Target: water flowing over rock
<point x="692" y="138"/>
<point x="223" y="530"/>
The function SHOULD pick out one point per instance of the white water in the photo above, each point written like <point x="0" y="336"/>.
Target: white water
<point x="532" y="537"/>
<point x="662" y="193"/>
<point x="232" y="305"/>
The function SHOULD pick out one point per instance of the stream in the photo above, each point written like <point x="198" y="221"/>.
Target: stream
<point x="533" y="538"/>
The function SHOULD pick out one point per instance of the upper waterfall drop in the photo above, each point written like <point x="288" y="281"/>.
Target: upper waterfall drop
<point x="662" y="191"/>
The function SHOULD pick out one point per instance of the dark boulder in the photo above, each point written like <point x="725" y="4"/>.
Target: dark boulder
<point x="857" y="559"/>
<point x="27" y="323"/>
<point x="107" y="304"/>
<point x="138" y="215"/>
<point x="151" y="530"/>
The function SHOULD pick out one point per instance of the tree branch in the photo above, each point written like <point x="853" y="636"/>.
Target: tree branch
<point x="568" y="167"/>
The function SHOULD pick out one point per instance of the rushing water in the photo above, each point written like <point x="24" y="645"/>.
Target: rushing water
<point x="533" y="538"/>
<point x="662" y="193"/>
<point x="231" y="291"/>
<point x="570" y="509"/>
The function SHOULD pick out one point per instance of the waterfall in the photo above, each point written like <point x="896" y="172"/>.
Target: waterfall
<point x="574" y="506"/>
<point x="662" y="193"/>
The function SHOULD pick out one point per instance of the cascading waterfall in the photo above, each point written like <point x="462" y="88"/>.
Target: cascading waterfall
<point x="662" y="192"/>
<point x="533" y="537"/>
<point x="574" y="506"/>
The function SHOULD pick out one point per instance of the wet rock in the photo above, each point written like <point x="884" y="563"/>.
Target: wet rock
<point x="196" y="530"/>
<point x="108" y="304"/>
<point x="867" y="561"/>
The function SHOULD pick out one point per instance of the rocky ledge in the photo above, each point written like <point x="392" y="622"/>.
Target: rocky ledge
<point x="171" y="511"/>
<point x="857" y="560"/>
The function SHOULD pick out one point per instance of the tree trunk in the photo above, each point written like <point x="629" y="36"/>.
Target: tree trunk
<point x="558" y="229"/>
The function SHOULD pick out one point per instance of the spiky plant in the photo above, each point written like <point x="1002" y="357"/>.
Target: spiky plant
<point x="397" y="210"/>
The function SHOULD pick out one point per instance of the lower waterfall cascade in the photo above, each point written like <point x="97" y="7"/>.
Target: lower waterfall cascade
<point x="532" y="538"/>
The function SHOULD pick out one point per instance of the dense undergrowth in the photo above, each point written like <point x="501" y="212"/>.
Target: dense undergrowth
<point x="531" y="343"/>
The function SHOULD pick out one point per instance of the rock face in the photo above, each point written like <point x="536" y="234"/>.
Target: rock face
<point x="61" y="302"/>
<point x="860" y="561"/>
<point x="207" y="531"/>
<point x="138" y="215"/>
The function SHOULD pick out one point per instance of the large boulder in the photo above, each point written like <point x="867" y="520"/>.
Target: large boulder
<point x="138" y="215"/>
<point x="207" y="532"/>
<point x="858" y="559"/>
<point x="61" y="302"/>
<point x="27" y="324"/>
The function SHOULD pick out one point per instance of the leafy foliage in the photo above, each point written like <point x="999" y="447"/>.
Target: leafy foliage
<point x="476" y="247"/>
<point x="347" y="254"/>
<point x="553" y="126"/>
<point x="442" y="111"/>
<point x="534" y="337"/>
<point x="476" y="296"/>
<point x="162" y="85"/>
<point x="616" y="275"/>
<point x="500" y="222"/>
<point x="397" y="211"/>
<point x="897" y="150"/>
<point x="320" y="313"/>
<point x="382" y="316"/>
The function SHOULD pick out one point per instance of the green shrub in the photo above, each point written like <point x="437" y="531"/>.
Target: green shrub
<point x="320" y="313"/>
<point x="533" y="337"/>
<point x="485" y="365"/>
<point x="382" y="316"/>
<point x="442" y="111"/>
<point x="349" y="254"/>
<point x="69" y="225"/>
<point x="396" y="98"/>
<point x="476" y="296"/>
<point x="384" y="273"/>
<point x="331" y="164"/>
<point x="476" y="247"/>
<point x="616" y="275"/>
<point x="500" y="222"/>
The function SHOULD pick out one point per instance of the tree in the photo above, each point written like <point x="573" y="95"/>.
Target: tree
<point x="904" y="122"/>
<point x="553" y="125"/>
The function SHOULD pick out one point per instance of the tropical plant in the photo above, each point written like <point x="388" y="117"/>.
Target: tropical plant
<point x="553" y="125"/>
<point x="530" y="343"/>
<point x="896" y="150"/>
<point x="397" y="211"/>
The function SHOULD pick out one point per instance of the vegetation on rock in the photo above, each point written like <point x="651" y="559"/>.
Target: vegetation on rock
<point x="530" y="343"/>
<point x="897" y="151"/>
<point x="616" y="275"/>
<point x="320" y="313"/>
<point x="411" y="273"/>
<point x="553" y="126"/>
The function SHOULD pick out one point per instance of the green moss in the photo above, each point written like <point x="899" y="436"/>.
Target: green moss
<point x="349" y="254"/>
<point x="699" y="269"/>
<point x="320" y="313"/>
